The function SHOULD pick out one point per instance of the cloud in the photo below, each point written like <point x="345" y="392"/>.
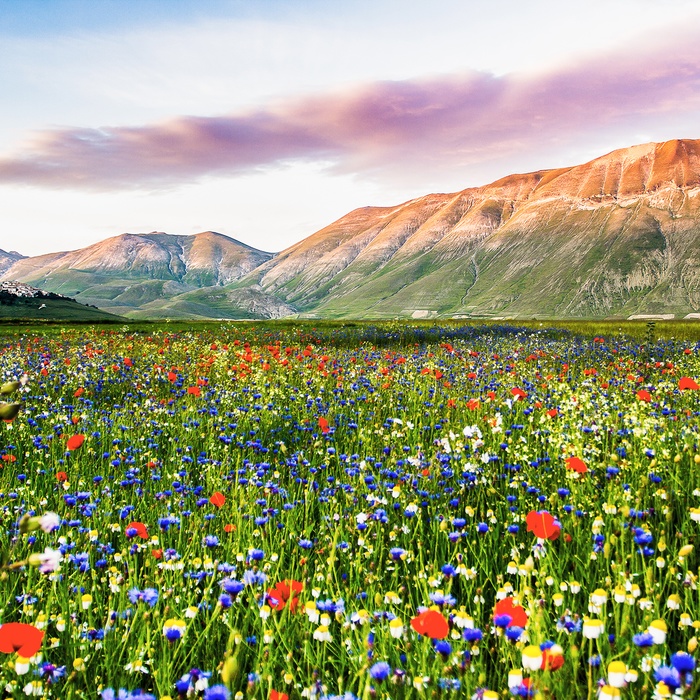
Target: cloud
<point x="383" y="129"/>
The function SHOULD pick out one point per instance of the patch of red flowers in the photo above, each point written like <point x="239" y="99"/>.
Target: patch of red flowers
<point x="21" y="638"/>
<point x="543" y="525"/>
<point x="430" y="623"/>
<point x="285" y="594"/>
<point x="507" y="606"/>
<point x="75" y="442"/>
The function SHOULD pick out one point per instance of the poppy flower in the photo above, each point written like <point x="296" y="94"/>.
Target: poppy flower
<point x="217" y="499"/>
<point x="21" y="638"/>
<point x="431" y="623"/>
<point x="61" y="476"/>
<point x="285" y="592"/>
<point x="276" y="695"/>
<point x="543" y="525"/>
<point x="140" y="529"/>
<point x="172" y="377"/>
<point x="75" y="442"/>
<point x="552" y="413"/>
<point x="194" y="390"/>
<point x="576" y="464"/>
<point x="323" y="424"/>
<point x="552" y="658"/>
<point x="687" y="383"/>
<point x="518" y="393"/>
<point x="643" y="395"/>
<point x="506" y="606"/>
<point x="473" y="404"/>
<point x="78" y="392"/>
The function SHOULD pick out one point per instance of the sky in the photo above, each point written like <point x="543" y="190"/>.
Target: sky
<point x="267" y="120"/>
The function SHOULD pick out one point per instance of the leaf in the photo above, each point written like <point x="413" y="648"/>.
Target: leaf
<point x="8" y="411"/>
<point x="9" y="388"/>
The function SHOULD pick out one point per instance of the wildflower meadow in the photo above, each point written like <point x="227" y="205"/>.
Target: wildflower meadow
<point x="348" y="512"/>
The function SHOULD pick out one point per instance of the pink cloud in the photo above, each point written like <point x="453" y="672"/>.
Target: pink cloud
<point x="384" y="129"/>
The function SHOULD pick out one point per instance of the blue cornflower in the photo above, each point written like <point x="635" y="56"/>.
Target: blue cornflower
<point x="306" y="544"/>
<point x="482" y="528"/>
<point x="514" y="633"/>
<point x="502" y="620"/>
<point x="254" y="578"/>
<point x="683" y="662"/>
<point x="380" y="671"/>
<point x="231" y="585"/>
<point x="669" y="676"/>
<point x="217" y="692"/>
<point x="473" y="634"/>
<point x="396" y="553"/>
<point x="211" y="541"/>
<point x="440" y="598"/>
<point x="643" y="639"/>
<point x="442" y="647"/>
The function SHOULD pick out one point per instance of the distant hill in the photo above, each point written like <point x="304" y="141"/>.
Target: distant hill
<point x="618" y="236"/>
<point x="22" y="302"/>
<point x="139" y="275"/>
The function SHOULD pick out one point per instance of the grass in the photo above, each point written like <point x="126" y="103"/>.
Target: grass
<point x="274" y="506"/>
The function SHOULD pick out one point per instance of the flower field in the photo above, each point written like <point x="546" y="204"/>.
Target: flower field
<point x="278" y="512"/>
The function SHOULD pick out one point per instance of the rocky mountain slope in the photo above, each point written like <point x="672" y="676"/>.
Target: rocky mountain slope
<point x="7" y="260"/>
<point x="617" y="236"/>
<point x="127" y="273"/>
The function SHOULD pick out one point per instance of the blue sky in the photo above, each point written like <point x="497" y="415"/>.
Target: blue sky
<point x="268" y="120"/>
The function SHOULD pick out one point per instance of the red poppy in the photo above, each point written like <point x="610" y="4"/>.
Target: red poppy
<point x="518" y="393"/>
<point x="229" y="527"/>
<point x="275" y="695"/>
<point x="576" y="464"/>
<point x="217" y="499"/>
<point x="644" y="395"/>
<point x="551" y="661"/>
<point x="687" y="383"/>
<point x="140" y="528"/>
<point x="21" y="638"/>
<point x="506" y="606"/>
<point x="285" y="592"/>
<point x="543" y="525"/>
<point x="157" y="553"/>
<point x="75" y="442"/>
<point x="61" y="476"/>
<point x="172" y="377"/>
<point x="128" y="362"/>
<point x="194" y="390"/>
<point x="552" y="413"/>
<point x="78" y="392"/>
<point x="473" y="404"/>
<point x="431" y="623"/>
<point x="323" y="424"/>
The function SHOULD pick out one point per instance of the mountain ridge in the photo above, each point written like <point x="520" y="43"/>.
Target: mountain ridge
<point x="617" y="236"/>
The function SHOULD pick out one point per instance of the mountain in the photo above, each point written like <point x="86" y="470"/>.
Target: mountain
<point x="617" y="236"/>
<point x="7" y="260"/>
<point x="138" y="275"/>
<point x="22" y="302"/>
